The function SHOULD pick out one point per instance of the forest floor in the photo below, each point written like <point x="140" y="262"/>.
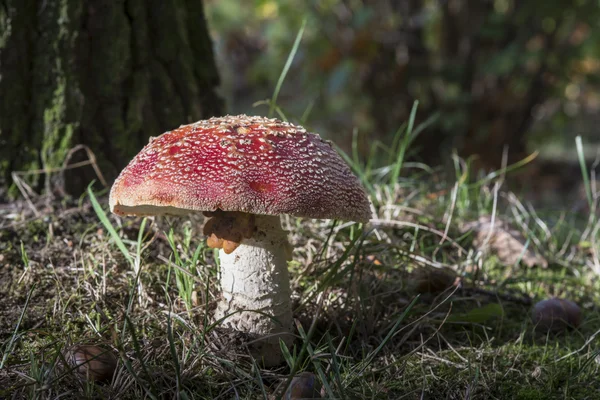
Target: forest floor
<point x="430" y="300"/>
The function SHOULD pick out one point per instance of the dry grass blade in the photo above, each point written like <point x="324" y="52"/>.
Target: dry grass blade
<point x="28" y="193"/>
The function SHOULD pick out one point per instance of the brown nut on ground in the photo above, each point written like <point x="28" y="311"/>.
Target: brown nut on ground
<point x="432" y="280"/>
<point x="91" y="362"/>
<point x="556" y="315"/>
<point x="305" y="385"/>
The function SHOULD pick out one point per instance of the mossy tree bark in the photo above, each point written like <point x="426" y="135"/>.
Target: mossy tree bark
<point x="104" y="73"/>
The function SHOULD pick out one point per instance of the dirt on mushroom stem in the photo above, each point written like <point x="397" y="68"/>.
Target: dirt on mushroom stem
<point x="226" y="229"/>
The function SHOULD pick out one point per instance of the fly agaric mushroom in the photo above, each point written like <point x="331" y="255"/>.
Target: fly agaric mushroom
<point x="244" y="172"/>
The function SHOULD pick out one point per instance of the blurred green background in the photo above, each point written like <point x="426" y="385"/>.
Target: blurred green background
<point x="487" y="74"/>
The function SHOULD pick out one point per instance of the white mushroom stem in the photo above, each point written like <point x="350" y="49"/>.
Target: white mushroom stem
<point x="256" y="289"/>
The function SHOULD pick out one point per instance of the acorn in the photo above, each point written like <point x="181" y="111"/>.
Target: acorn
<point x="91" y="362"/>
<point x="305" y="385"/>
<point x="432" y="280"/>
<point x="556" y="315"/>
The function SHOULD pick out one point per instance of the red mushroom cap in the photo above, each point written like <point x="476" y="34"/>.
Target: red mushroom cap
<point x="240" y="163"/>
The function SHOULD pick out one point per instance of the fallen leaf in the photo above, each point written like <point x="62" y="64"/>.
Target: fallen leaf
<point x="506" y="242"/>
<point x="479" y="315"/>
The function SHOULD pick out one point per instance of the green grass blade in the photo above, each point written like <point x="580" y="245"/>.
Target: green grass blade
<point x="317" y="364"/>
<point x="286" y="67"/>
<point x="364" y="179"/>
<point x="104" y="219"/>
<point x="13" y="337"/>
<point x="335" y="365"/>
<point x="140" y="239"/>
<point x="173" y="350"/>
<point x="371" y="356"/>
<point x="503" y="171"/>
<point x="404" y="144"/>
<point x="584" y="171"/>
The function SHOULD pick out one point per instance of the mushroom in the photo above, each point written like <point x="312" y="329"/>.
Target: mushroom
<point x="244" y="172"/>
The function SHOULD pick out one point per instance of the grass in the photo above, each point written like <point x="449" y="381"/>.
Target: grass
<point x="371" y="322"/>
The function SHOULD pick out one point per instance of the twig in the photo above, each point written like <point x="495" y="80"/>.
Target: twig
<point x="91" y="161"/>
<point x="503" y="296"/>
<point x="26" y="190"/>
<point x="21" y="185"/>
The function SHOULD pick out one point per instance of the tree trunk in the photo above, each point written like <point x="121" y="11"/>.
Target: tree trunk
<point x="105" y="73"/>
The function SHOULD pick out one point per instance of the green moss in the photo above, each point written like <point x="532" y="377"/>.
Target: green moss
<point x="505" y="371"/>
<point x="60" y="118"/>
<point x="530" y="394"/>
<point x="57" y="133"/>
